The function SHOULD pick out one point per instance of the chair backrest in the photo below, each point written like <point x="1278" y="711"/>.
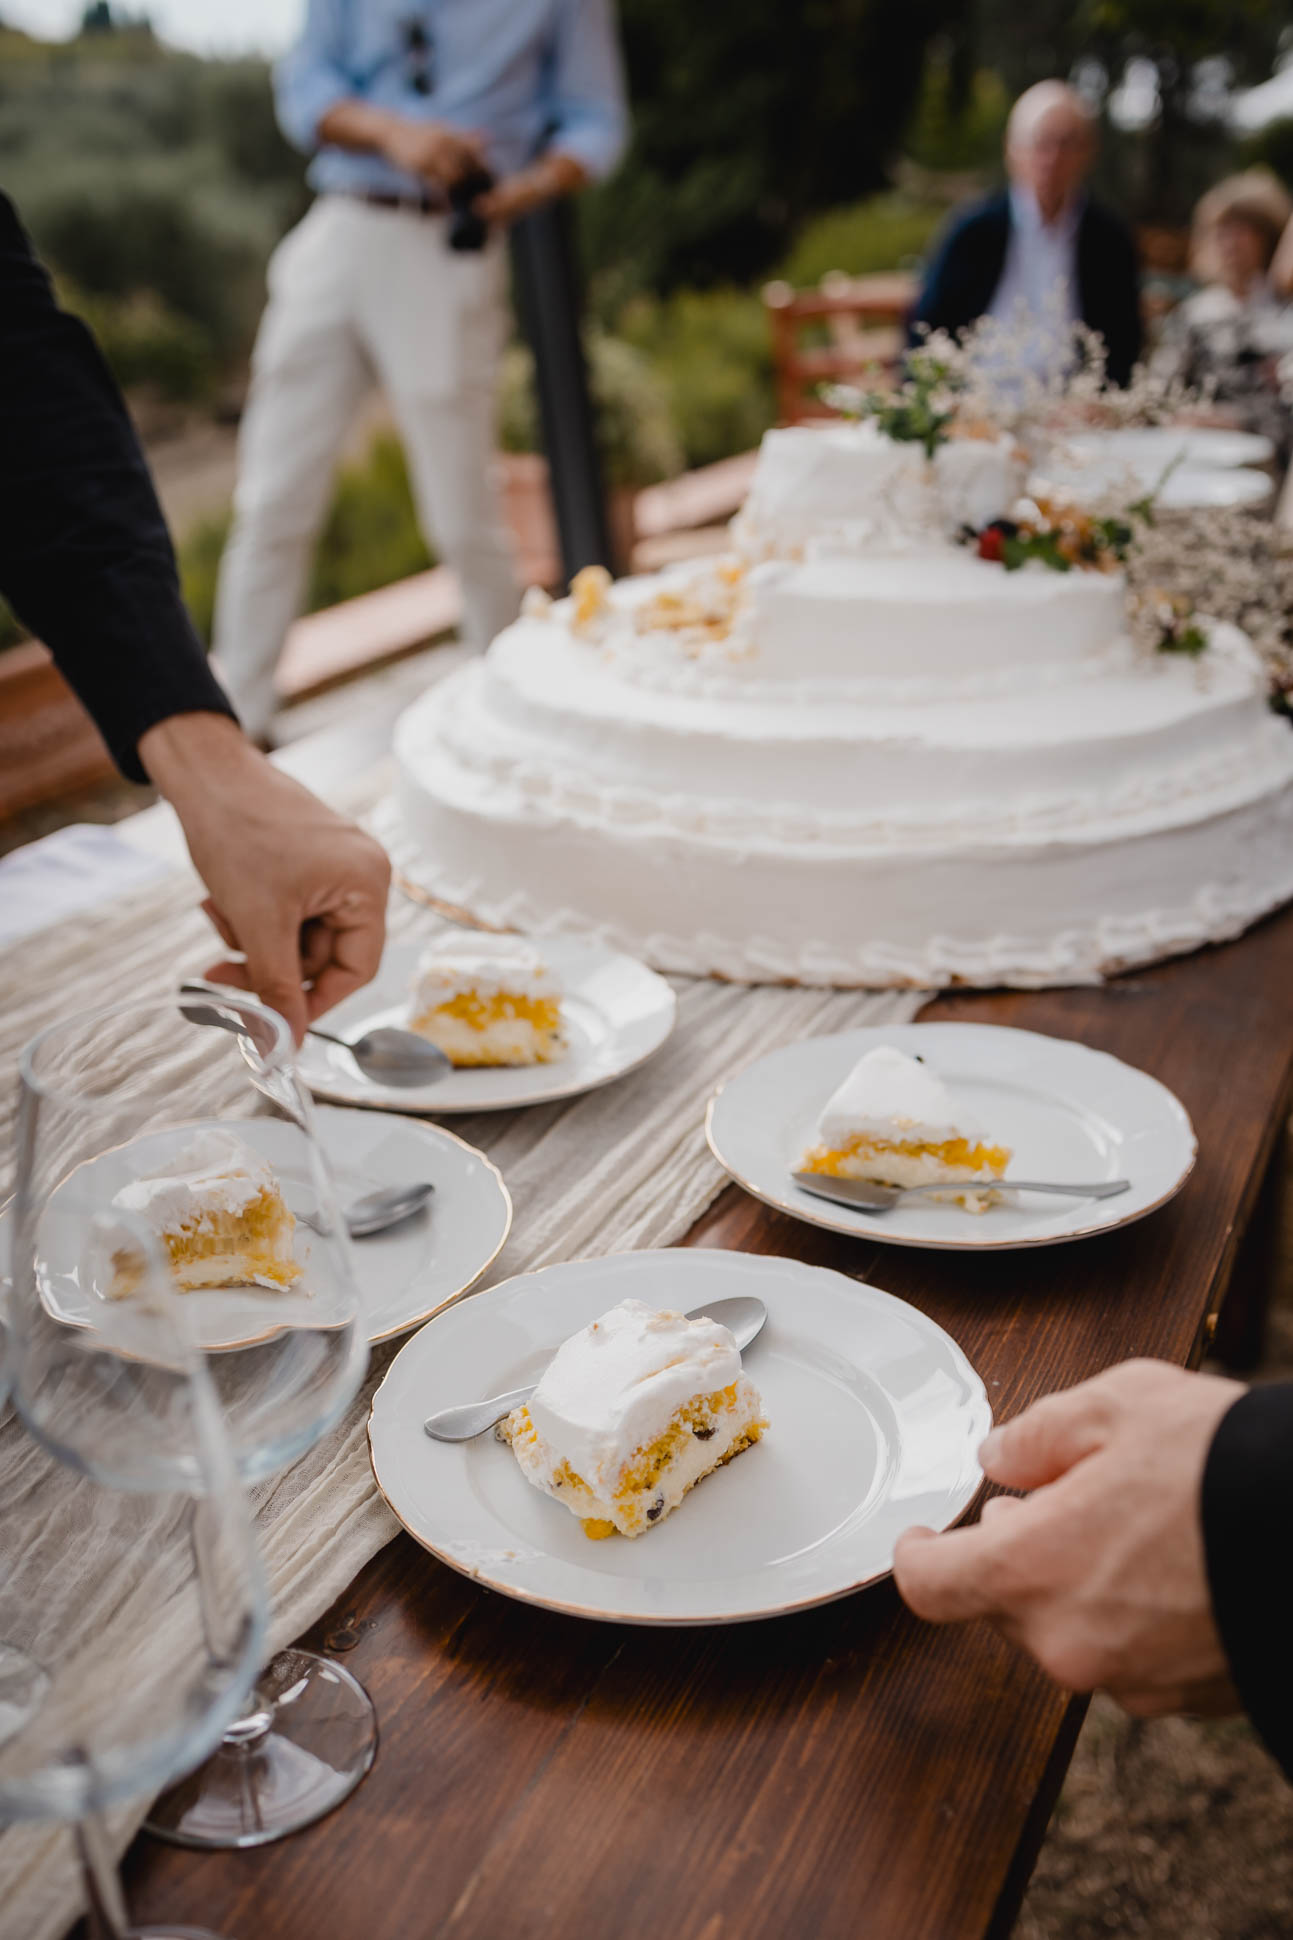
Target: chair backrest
<point x="848" y="327"/>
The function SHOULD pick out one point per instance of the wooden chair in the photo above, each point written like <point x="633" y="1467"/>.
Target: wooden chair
<point x="848" y="327"/>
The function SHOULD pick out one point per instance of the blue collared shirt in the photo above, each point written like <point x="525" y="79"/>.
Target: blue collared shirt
<point x="530" y="75"/>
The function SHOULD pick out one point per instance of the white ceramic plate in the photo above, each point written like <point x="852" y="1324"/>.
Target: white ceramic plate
<point x="617" y="1014"/>
<point x="404" y="1275"/>
<point x="875" y="1421"/>
<point x="1187" y="488"/>
<point x="1156" y="446"/>
<point x="1067" y="1111"/>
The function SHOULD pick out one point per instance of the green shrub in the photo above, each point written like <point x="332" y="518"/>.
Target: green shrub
<point x="635" y="426"/>
<point x="946" y="137"/>
<point x="198" y="554"/>
<point x="369" y="538"/>
<point x="146" y="342"/>
<point x="890" y="231"/>
<point x="711" y="352"/>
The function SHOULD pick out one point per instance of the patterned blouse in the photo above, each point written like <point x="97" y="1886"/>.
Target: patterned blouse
<point x="1234" y="347"/>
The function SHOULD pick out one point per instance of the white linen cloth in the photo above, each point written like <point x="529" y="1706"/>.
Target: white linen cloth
<point x="361" y="295"/>
<point x="70" y="870"/>
<point x="617" y="1169"/>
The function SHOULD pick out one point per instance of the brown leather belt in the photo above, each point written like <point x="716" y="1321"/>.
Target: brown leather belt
<point x="426" y="204"/>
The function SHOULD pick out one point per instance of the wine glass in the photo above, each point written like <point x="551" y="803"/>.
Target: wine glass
<point x="189" y="1112"/>
<point x="132" y="1606"/>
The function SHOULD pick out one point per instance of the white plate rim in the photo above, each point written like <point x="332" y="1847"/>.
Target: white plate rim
<point x="655" y="1620"/>
<point x="841" y="1222"/>
<point x="67" y="1319"/>
<point x="411" y="1105"/>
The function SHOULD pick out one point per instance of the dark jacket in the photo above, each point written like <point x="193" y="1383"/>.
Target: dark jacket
<point x="968" y="262"/>
<point x="85" y="558"/>
<point x="1247" y="1526"/>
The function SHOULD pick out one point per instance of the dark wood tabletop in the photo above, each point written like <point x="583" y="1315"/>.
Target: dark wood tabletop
<point x="840" y="1773"/>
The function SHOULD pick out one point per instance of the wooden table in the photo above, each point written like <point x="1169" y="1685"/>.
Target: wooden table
<point x="845" y="1772"/>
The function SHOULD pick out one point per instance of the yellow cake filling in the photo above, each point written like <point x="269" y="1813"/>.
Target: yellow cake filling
<point x="469" y="1015"/>
<point x="959" y="1154"/>
<point x="697" y="1418"/>
<point x="259" y="1236"/>
<point x="478" y="1012"/>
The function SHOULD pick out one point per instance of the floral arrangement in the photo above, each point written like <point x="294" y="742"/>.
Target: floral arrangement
<point x="1047" y="532"/>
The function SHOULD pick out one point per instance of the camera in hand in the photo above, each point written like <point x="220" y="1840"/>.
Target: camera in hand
<point x="467" y="230"/>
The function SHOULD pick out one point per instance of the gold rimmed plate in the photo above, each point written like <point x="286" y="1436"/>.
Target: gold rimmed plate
<point x="1066" y="1110"/>
<point x="616" y="1012"/>
<point x="875" y="1418"/>
<point x="404" y="1275"/>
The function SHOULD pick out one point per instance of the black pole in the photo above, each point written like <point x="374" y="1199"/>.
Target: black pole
<point x="547" y="295"/>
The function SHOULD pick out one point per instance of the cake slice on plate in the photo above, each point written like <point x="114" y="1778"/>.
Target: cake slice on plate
<point x="487" y="999"/>
<point x="632" y="1411"/>
<point x="893" y="1120"/>
<point x="220" y="1216"/>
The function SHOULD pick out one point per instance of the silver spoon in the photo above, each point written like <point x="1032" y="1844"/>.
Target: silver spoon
<point x="390" y="1056"/>
<point x="377" y="1211"/>
<point x="870" y="1196"/>
<point x="743" y="1316"/>
<point x="387" y="1055"/>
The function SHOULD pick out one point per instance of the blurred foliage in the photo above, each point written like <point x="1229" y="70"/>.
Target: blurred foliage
<point x="154" y="183"/>
<point x="885" y="232"/>
<point x="1194" y="51"/>
<point x="148" y="344"/>
<point x="635" y="423"/>
<point x="1273" y="148"/>
<point x="959" y="123"/>
<point x="746" y="121"/>
<point x="369" y="538"/>
<point x="712" y="356"/>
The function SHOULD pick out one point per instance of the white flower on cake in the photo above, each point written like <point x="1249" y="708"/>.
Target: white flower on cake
<point x="894" y="1121"/>
<point x="631" y="1413"/>
<point x="220" y="1216"/>
<point x="486" y="999"/>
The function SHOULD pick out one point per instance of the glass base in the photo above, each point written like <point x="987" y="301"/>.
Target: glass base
<point x="304" y="1750"/>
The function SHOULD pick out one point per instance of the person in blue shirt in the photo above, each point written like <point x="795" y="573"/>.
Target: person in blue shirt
<point x="404" y="104"/>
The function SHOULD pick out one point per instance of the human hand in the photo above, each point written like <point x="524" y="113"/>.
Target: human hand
<point x="432" y="150"/>
<point x="298" y="890"/>
<point x="520" y="194"/>
<point x="1099" y="1572"/>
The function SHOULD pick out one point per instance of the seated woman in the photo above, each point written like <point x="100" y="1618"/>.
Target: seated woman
<point x="1232" y="334"/>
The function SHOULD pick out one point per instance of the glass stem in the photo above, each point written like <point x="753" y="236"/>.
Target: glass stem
<point x="105" y="1902"/>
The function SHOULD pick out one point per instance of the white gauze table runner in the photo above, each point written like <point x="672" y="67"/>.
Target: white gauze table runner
<point x="617" y="1169"/>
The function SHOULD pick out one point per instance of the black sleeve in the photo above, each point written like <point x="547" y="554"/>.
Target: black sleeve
<point x="1123" y="332"/>
<point x="85" y="557"/>
<point x="963" y="272"/>
<point x="1248" y="1533"/>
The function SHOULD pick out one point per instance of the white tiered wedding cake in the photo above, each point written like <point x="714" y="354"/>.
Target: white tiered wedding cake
<point x="855" y="751"/>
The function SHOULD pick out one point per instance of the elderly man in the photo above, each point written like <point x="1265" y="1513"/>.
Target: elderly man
<point x="1042" y="255"/>
<point x="408" y="111"/>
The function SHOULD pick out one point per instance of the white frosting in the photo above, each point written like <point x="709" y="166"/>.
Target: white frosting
<point x="612" y="1388"/>
<point x="215" y="1173"/>
<point x="475" y="960"/>
<point x="895" y="763"/>
<point x="849" y="487"/>
<point x="890" y="1095"/>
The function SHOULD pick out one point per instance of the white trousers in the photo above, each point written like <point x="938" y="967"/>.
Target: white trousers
<point x="359" y="295"/>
